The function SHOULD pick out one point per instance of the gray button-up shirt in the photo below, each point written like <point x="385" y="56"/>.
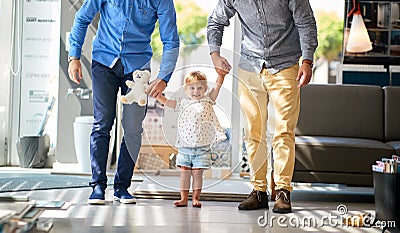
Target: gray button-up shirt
<point x="274" y="32"/>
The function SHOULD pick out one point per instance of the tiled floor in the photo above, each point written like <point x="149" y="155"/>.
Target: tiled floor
<point x="311" y="213"/>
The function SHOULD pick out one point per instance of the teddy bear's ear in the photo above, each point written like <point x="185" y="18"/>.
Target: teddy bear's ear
<point x="147" y="74"/>
<point x="135" y="72"/>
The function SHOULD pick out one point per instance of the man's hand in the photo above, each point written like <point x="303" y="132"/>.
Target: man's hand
<point x="75" y="71"/>
<point x="304" y="75"/>
<point x="156" y="87"/>
<point x="221" y="65"/>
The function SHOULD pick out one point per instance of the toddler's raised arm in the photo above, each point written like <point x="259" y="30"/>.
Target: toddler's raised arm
<point x="215" y="90"/>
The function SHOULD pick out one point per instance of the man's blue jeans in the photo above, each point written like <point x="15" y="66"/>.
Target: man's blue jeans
<point x="106" y="83"/>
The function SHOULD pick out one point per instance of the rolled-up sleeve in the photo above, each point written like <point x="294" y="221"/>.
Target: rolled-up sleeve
<point x="169" y="37"/>
<point x="218" y="20"/>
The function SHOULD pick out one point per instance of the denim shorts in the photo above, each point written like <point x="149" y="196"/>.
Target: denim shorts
<point x="194" y="157"/>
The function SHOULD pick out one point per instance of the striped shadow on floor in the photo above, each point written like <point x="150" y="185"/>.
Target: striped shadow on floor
<point x="167" y="187"/>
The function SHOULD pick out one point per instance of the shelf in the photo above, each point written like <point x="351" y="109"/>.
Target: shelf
<point x="382" y="20"/>
<point x="379" y="29"/>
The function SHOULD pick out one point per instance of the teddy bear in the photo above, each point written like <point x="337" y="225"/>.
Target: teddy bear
<point x="137" y="88"/>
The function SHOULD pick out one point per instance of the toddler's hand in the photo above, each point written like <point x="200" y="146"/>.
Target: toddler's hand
<point x="221" y="65"/>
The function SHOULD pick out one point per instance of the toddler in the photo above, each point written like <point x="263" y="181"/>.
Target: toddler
<point x="198" y="130"/>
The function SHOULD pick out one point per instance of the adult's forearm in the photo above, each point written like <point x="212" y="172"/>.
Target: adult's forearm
<point x="308" y="39"/>
<point x="169" y="37"/>
<point x="168" y="63"/>
<point x="214" y="36"/>
<point x="218" y="20"/>
<point x="306" y="25"/>
<point x="76" y="40"/>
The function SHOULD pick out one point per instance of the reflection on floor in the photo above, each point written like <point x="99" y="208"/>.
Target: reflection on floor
<point x="316" y="208"/>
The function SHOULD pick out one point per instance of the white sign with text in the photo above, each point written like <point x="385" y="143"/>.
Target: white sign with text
<point x="40" y="63"/>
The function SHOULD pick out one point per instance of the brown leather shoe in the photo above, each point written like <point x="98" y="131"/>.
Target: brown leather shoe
<point x="282" y="203"/>
<point x="255" y="200"/>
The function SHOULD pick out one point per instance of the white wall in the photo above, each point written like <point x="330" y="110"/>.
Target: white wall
<point x="5" y="58"/>
<point x="40" y="41"/>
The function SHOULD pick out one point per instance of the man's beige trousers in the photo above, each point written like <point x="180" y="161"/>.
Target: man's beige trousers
<point x="255" y="91"/>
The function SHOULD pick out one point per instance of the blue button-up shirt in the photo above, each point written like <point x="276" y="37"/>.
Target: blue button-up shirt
<point x="124" y="32"/>
<point x="274" y="32"/>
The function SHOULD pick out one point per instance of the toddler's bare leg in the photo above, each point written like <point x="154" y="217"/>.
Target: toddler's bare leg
<point x="184" y="186"/>
<point x="197" y="186"/>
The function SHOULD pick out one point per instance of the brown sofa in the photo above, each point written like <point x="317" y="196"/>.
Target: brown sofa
<point x="392" y="117"/>
<point x="343" y="129"/>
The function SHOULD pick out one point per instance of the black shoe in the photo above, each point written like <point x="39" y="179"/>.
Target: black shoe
<point x="255" y="200"/>
<point x="282" y="203"/>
